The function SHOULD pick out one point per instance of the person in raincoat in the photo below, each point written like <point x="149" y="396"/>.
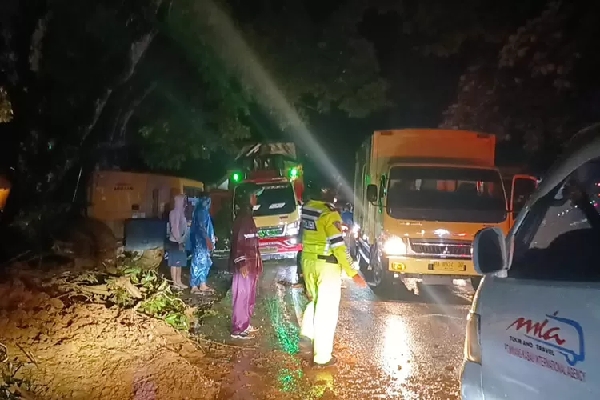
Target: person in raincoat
<point x="203" y="242"/>
<point x="178" y="232"/>
<point x="245" y="263"/>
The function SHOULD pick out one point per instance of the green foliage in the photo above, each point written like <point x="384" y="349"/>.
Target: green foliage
<point x="159" y="301"/>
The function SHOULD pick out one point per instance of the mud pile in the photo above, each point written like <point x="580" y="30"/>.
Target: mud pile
<point x="58" y="347"/>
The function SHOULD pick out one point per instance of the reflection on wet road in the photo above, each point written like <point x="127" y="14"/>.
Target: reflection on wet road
<point x="408" y="348"/>
<point x="401" y="346"/>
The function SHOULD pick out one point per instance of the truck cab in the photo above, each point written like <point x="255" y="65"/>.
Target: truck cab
<point x="424" y="194"/>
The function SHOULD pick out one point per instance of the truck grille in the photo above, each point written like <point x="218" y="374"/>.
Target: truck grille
<point x="441" y="248"/>
<point x="270" y="231"/>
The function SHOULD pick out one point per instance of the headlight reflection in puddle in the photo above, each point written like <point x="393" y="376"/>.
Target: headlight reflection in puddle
<point x="396" y="351"/>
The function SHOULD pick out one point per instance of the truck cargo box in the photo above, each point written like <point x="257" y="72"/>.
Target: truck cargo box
<point x="435" y="144"/>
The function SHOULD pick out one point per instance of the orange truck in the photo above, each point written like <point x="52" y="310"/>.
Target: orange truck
<point x="420" y="197"/>
<point x="115" y="197"/>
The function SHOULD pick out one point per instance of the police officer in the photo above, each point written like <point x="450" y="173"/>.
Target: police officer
<point x="324" y="256"/>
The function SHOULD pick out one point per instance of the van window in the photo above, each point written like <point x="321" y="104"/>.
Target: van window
<point x="559" y="239"/>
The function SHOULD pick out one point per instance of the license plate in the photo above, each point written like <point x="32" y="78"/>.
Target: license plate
<point x="449" y="266"/>
<point x="268" y="249"/>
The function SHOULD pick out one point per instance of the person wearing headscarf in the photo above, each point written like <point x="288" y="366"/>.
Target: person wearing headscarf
<point x="203" y="242"/>
<point x="245" y="263"/>
<point x="176" y="256"/>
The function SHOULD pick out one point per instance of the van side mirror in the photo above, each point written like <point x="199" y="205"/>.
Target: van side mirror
<point x="489" y="251"/>
<point x="372" y="193"/>
<point x="522" y="188"/>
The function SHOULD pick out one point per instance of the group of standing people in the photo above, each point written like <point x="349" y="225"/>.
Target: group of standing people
<point x="196" y="238"/>
<point x="324" y="257"/>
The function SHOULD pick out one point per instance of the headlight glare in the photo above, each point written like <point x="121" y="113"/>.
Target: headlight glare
<point x="394" y="246"/>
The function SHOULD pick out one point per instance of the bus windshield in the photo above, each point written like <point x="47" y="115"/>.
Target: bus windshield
<point x="276" y="198"/>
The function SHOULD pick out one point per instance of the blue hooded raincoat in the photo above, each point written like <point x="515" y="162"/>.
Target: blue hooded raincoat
<point x="201" y="229"/>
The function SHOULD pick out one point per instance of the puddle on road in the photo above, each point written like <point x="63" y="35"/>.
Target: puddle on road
<point x="268" y="367"/>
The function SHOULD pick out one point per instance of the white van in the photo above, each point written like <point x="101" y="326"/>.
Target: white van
<point x="533" y="331"/>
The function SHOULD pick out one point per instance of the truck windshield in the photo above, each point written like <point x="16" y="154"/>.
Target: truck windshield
<point x="275" y="199"/>
<point x="446" y="194"/>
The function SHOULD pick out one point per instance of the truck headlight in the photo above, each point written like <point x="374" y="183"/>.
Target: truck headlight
<point x="291" y="229"/>
<point x="394" y="246"/>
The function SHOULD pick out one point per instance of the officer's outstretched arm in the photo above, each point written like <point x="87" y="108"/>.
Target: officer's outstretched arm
<point x="333" y="230"/>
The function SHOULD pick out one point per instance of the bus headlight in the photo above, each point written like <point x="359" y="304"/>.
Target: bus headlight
<point x="394" y="246"/>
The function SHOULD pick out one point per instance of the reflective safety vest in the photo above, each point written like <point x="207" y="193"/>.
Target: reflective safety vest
<point x="322" y="235"/>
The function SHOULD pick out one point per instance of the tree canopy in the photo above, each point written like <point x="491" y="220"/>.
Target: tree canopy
<point x="541" y="86"/>
<point x="259" y="59"/>
<point x="162" y="82"/>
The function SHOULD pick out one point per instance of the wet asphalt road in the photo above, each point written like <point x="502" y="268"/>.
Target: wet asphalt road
<point x="400" y="345"/>
<point x="406" y="347"/>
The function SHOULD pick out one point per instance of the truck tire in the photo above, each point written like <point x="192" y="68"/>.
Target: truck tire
<point x="383" y="282"/>
<point x="380" y="277"/>
<point x="351" y="244"/>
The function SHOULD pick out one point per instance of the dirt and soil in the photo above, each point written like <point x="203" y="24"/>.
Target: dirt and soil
<point x="89" y="324"/>
<point x="63" y="336"/>
<point x="62" y="347"/>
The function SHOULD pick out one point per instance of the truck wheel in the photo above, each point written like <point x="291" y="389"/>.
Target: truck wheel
<point x="380" y="276"/>
<point x="352" y="249"/>
<point x="476" y="281"/>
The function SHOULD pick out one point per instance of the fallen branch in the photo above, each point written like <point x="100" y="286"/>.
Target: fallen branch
<point x="29" y="356"/>
<point x="125" y="283"/>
